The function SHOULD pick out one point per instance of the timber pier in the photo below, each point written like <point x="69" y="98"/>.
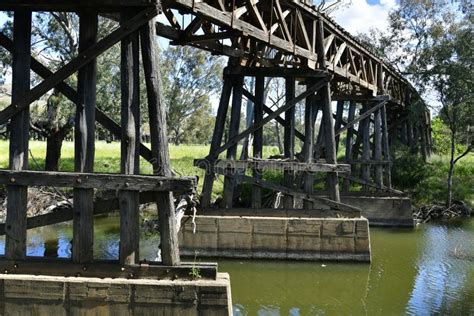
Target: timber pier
<point x="326" y="204"/>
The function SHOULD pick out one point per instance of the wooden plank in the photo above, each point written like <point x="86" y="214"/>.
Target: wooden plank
<point x="107" y="269"/>
<point x="83" y="58"/>
<point x="281" y="212"/>
<point x="68" y="5"/>
<point x="101" y="206"/>
<point x="386" y="148"/>
<point x="372" y="185"/>
<point x="275" y="72"/>
<point x="216" y="141"/>
<point x="84" y="143"/>
<point x="269" y="164"/>
<point x="71" y="94"/>
<point x="289" y="139"/>
<point x="104" y="181"/>
<point x="232" y="141"/>
<point x="233" y="131"/>
<point x="258" y="138"/>
<point x="159" y="144"/>
<point x="130" y="142"/>
<point x="296" y="193"/>
<point x="15" y="243"/>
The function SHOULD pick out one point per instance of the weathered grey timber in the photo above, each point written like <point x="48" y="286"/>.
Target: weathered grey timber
<point x="258" y="138"/>
<point x="15" y="243"/>
<point x="270" y="164"/>
<point x="110" y="181"/>
<point x="130" y="142"/>
<point x="84" y="143"/>
<point x="289" y="138"/>
<point x="159" y="144"/>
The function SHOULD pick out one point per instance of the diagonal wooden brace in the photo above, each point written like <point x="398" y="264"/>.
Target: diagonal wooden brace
<point x="75" y="64"/>
<point x="234" y="140"/>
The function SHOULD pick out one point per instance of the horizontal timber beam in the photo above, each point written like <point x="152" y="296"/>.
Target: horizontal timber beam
<point x="275" y="72"/>
<point x="97" y="180"/>
<point x="73" y="5"/>
<point x="274" y="165"/>
<point x="106" y="269"/>
<point x="293" y="192"/>
<point x="65" y="213"/>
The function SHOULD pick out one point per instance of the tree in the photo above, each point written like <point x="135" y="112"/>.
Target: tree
<point x="190" y="78"/>
<point x="430" y="41"/>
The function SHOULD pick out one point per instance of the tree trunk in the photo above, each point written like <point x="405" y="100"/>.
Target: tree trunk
<point x="53" y="152"/>
<point x="451" y="170"/>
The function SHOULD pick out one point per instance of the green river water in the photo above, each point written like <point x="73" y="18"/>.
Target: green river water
<point x="428" y="270"/>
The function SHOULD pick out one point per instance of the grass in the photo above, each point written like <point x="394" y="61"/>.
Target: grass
<point x="426" y="182"/>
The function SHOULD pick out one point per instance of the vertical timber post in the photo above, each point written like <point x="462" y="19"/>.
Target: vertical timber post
<point x="15" y="228"/>
<point x="229" y="181"/>
<point x="365" y="130"/>
<point x="378" y="132"/>
<point x="216" y="141"/>
<point x="327" y="119"/>
<point x="130" y="144"/>
<point x="338" y="123"/>
<point x="289" y="139"/>
<point x="349" y="137"/>
<point x="386" y="149"/>
<point x="159" y="144"/>
<point x="308" y="148"/>
<point x="258" y="138"/>
<point x="83" y="220"/>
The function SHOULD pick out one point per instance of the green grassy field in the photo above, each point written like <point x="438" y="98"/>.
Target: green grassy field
<point x="426" y="187"/>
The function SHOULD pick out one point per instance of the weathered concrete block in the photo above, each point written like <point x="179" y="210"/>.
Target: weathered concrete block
<point x="45" y="295"/>
<point x="235" y="235"/>
<point x="383" y="210"/>
<point x="285" y="238"/>
<point x="269" y="235"/>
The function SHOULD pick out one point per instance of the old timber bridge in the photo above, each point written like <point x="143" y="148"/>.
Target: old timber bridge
<point x="263" y="39"/>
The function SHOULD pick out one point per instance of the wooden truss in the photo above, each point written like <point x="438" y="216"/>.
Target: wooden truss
<point x="282" y="34"/>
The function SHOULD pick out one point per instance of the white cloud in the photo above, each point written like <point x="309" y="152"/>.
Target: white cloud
<point x="361" y="16"/>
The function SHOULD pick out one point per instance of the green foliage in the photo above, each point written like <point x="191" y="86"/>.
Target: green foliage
<point x="442" y="139"/>
<point x="407" y="170"/>
<point x="190" y="77"/>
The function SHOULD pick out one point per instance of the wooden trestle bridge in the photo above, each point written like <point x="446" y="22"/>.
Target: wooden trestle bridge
<point x="262" y="38"/>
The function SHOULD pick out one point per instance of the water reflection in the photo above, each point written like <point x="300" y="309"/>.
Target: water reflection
<point x="443" y="275"/>
<point x="425" y="271"/>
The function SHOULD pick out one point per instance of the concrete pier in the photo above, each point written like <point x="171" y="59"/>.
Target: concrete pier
<point x="50" y="295"/>
<point x="294" y="238"/>
<point x="383" y="210"/>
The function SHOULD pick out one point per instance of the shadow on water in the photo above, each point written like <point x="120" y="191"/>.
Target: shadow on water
<point x="422" y="271"/>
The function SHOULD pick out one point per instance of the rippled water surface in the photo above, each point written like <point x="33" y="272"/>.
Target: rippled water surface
<point x="423" y="271"/>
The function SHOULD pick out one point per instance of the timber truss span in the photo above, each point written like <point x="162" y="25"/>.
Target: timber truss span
<point x="282" y="34"/>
